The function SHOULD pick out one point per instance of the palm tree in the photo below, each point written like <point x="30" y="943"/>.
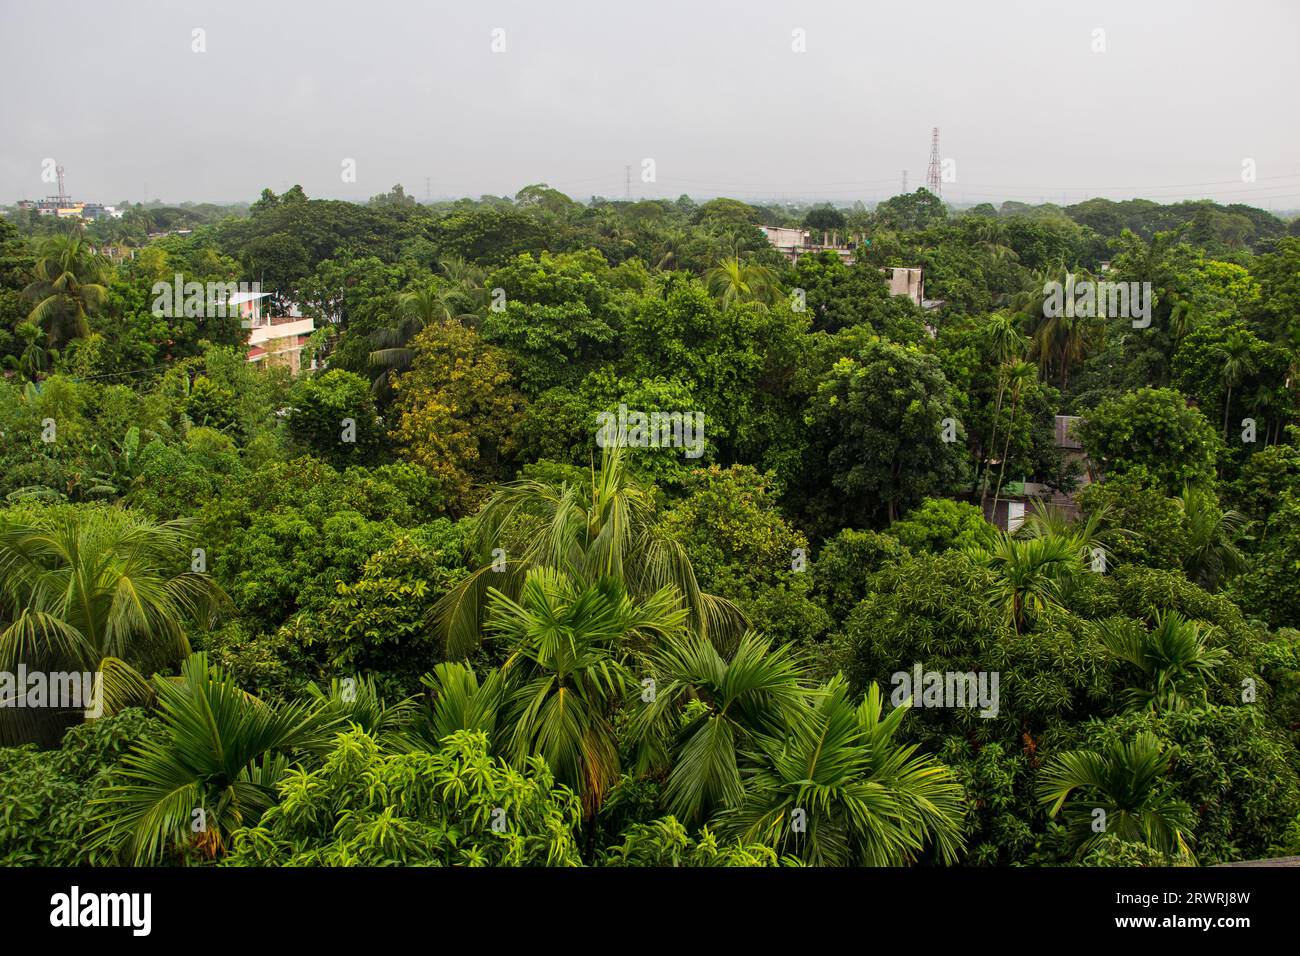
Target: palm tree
<point x="1089" y="537"/>
<point x="1061" y="341"/>
<point x="1173" y="658"/>
<point x="1214" y="533"/>
<point x="838" y="790"/>
<point x="991" y="236"/>
<point x="588" y="531"/>
<point x="1005" y="340"/>
<point x="1018" y="374"/>
<point x="1028" y="302"/>
<point x="988" y="232"/>
<point x="33" y="360"/>
<point x="96" y="589"/>
<point x="467" y="292"/>
<point x="458" y="702"/>
<point x="1123" y="781"/>
<point x="670" y="247"/>
<point x="419" y="308"/>
<point x="212" y="771"/>
<point x="67" y="287"/>
<point x="569" y="645"/>
<point x="705" y="709"/>
<point x="356" y="701"/>
<point x="1006" y="344"/>
<point x="732" y="280"/>
<point x="1238" y="363"/>
<point x="1031" y="574"/>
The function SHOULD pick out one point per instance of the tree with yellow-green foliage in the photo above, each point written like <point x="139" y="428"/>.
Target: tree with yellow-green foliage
<point x="459" y="409"/>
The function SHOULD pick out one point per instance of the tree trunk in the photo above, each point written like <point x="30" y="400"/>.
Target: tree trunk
<point x="1002" y="470"/>
<point x="982" y="481"/>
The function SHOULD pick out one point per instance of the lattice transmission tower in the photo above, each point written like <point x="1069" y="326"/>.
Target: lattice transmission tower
<point x="933" y="178"/>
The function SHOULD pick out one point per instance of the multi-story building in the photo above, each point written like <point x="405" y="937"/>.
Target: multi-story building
<point x="273" y="340"/>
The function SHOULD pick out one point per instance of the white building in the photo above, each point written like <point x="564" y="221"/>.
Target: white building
<point x="274" y="340"/>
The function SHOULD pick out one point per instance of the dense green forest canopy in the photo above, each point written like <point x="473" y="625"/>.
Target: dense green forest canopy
<point x="408" y="606"/>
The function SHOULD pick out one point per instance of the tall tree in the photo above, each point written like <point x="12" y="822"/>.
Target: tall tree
<point x="67" y="287"/>
<point x="733" y="280"/>
<point x="569" y="645"/>
<point x="604" y="527"/>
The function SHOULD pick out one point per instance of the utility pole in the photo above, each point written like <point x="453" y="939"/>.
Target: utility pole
<point x="628" y="169"/>
<point x="905" y="182"/>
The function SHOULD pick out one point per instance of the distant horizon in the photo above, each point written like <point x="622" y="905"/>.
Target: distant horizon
<point x="1281" y="212"/>
<point x="1167" y="100"/>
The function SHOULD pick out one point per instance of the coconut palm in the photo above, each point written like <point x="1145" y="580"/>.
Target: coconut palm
<point x="838" y="790"/>
<point x="587" y="530"/>
<point x="1124" y="782"/>
<point x="466" y="293"/>
<point x="732" y="280"/>
<point x="97" y="589"/>
<point x="986" y="231"/>
<point x="66" y="288"/>
<point x="707" y="708"/>
<point x="669" y="250"/>
<point x="212" y="771"/>
<point x="1214" y="533"/>
<point x="1028" y="301"/>
<point x="569" y="646"/>
<point x="1173" y="658"/>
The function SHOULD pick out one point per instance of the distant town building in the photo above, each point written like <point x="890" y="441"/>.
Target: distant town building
<point x="795" y="242"/>
<point x="1021" y="497"/>
<point x="908" y="282"/>
<point x="62" y="206"/>
<point x="94" y="211"/>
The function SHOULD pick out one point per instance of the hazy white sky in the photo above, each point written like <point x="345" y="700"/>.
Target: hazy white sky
<point x="712" y="91"/>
